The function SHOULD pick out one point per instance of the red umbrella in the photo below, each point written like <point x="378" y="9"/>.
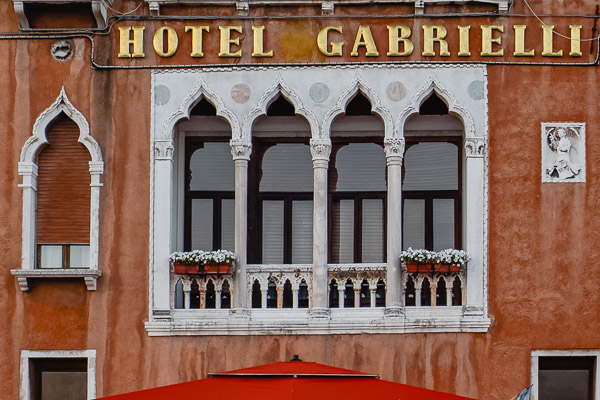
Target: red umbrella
<point x="293" y="380"/>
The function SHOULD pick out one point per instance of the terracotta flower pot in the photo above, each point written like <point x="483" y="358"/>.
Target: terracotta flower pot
<point x="418" y="267"/>
<point x="447" y="267"/>
<point x="186" y="269"/>
<point x="217" y="268"/>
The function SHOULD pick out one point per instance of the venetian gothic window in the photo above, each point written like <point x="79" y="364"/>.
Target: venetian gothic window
<point x="431" y="184"/>
<point x="280" y="188"/>
<point x="357" y="186"/>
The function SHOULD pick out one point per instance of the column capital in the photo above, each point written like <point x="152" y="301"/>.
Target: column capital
<point x="394" y="148"/>
<point x="320" y="149"/>
<point x="240" y="149"/>
<point x="163" y="149"/>
<point x="474" y="146"/>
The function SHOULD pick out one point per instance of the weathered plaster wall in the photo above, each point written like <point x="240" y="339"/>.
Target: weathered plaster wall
<point x="542" y="242"/>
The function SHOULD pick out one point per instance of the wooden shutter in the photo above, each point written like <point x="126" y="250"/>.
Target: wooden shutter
<point x="63" y="197"/>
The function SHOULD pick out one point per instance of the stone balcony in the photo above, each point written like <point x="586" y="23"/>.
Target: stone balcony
<point x="279" y="302"/>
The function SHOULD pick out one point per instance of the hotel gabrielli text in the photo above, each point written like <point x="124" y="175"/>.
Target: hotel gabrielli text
<point x="199" y="190"/>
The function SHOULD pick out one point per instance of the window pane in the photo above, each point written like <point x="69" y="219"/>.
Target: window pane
<point x="202" y="224"/>
<point x="51" y="256"/>
<point x="564" y="384"/>
<point x="360" y="167"/>
<point x="272" y="232"/>
<point x="227" y="224"/>
<point x="79" y="256"/>
<point x="414" y="224"/>
<point x="443" y="224"/>
<point x="302" y="231"/>
<point x="566" y="377"/>
<point x="372" y="230"/>
<point x="342" y="231"/>
<point x="58" y="385"/>
<point x="287" y="167"/>
<point x="431" y="166"/>
<point x="211" y="167"/>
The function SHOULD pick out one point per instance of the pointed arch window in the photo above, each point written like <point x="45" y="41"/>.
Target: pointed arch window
<point x="61" y="165"/>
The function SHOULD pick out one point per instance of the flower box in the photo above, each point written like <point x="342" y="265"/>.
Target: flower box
<point x="418" y="267"/>
<point x="186" y="269"/>
<point x="217" y="268"/>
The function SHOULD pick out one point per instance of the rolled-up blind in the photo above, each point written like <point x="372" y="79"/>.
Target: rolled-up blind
<point x="63" y="197"/>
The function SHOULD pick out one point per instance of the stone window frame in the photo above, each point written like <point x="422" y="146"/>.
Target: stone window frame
<point x="174" y="95"/>
<point x="536" y="354"/>
<point x="28" y="169"/>
<point x="27" y="355"/>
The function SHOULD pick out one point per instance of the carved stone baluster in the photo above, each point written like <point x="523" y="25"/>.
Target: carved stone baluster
<point x="218" y="299"/>
<point x="187" y="287"/>
<point x="263" y="298"/>
<point x="357" y="297"/>
<point x="341" y="294"/>
<point x="433" y="291"/>
<point x="295" y="291"/>
<point x="373" y="292"/>
<point x="449" y="287"/>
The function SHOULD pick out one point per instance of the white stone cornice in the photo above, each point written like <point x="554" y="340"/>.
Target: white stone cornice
<point x="240" y="149"/>
<point x="320" y="149"/>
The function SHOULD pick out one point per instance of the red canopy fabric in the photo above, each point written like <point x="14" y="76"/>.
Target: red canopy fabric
<point x="292" y="380"/>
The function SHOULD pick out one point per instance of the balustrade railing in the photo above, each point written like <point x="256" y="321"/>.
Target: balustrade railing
<point x="290" y="287"/>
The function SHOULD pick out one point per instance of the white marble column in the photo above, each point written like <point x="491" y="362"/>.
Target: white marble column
<point x="161" y="229"/>
<point x="320" y="149"/>
<point x="187" y="288"/>
<point x="240" y="150"/>
<point x="394" y="152"/>
<point x="473" y="214"/>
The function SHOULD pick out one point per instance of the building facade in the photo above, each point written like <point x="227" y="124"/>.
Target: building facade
<point x="317" y="141"/>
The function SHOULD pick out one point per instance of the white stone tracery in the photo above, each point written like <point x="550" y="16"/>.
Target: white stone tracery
<point x="28" y="169"/>
<point x="291" y="83"/>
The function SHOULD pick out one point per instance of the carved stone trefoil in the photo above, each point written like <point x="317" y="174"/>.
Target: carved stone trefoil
<point x="563" y="152"/>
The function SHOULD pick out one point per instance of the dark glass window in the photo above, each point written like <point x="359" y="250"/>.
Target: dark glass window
<point x="357" y="197"/>
<point x="431" y="193"/>
<point x="562" y="378"/>
<point x="209" y="195"/>
<point x="280" y="204"/>
<point x="58" y="378"/>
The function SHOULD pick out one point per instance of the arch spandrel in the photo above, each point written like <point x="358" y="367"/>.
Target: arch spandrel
<point x="61" y="105"/>
<point x="358" y="85"/>
<point x="454" y="108"/>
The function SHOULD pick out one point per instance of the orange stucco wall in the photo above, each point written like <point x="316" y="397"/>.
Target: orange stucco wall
<point x="542" y="240"/>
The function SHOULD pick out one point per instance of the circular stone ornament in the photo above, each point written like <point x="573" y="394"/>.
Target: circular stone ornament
<point x="162" y="95"/>
<point x="396" y="91"/>
<point x="240" y="93"/>
<point x="62" y="50"/>
<point x="476" y="90"/>
<point x="319" y="92"/>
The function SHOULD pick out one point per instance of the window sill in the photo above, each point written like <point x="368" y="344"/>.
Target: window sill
<point x="90" y="276"/>
<point x="286" y="321"/>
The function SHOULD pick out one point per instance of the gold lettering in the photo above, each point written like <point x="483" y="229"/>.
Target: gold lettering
<point x="463" y="41"/>
<point x="322" y="43"/>
<point x="159" y="41"/>
<point x="397" y="34"/>
<point x="197" y="39"/>
<point x="258" y="49"/>
<point x="429" y="39"/>
<point x="137" y="42"/>
<point x="227" y="41"/>
<point x="520" y="42"/>
<point x="487" y="41"/>
<point x="364" y="38"/>
<point x="575" y="41"/>
<point x="547" y="50"/>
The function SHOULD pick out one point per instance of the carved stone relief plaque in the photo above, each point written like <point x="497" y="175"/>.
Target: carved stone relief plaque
<point x="563" y="152"/>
